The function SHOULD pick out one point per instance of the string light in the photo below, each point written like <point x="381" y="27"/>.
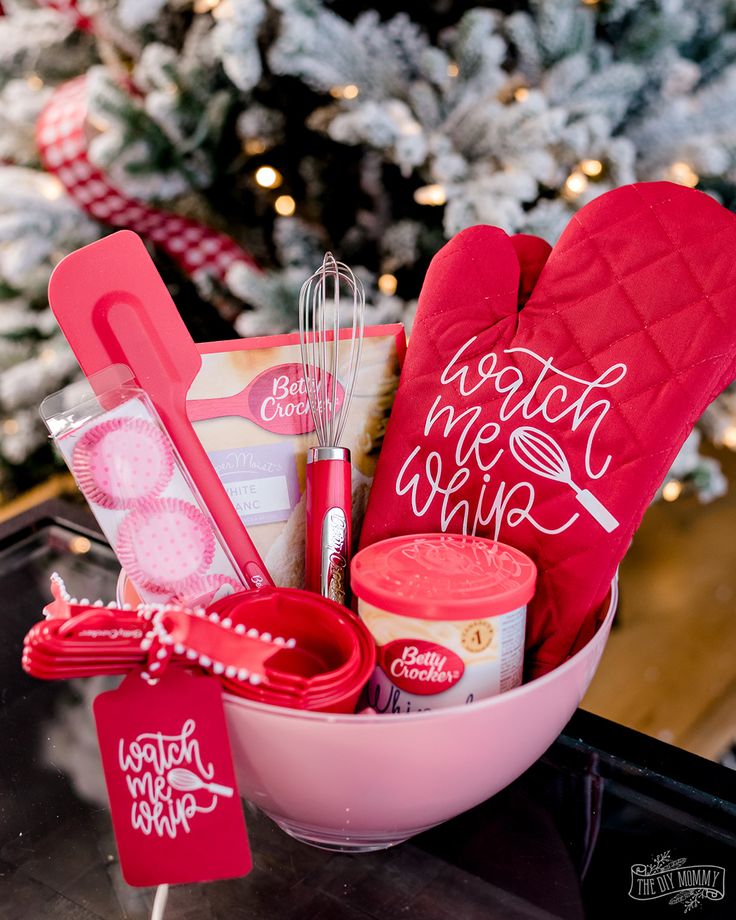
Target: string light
<point x="592" y="168"/>
<point x="51" y="188"/>
<point x="254" y="146"/>
<point x="10" y="426"/>
<point x="34" y="82"/>
<point x="452" y="69"/>
<point x="729" y="437"/>
<point x="222" y="9"/>
<point x="387" y="284"/>
<point x="80" y="545"/>
<point x="672" y="490"/>
<point x="47" y="356"/>
<point x="204" y="6"/>
<point x="268" y="177"/>
<point x="349" y="91"/>
<point x="431" y="194"/>
<point x="576" y="182"/>
<point x="590" y="2"/>
<point x="284" y="205"/>
<point x="521" y="93"/>
<point x="410" y="127"/>
<point x="683" y="174"/>
<point x="99" y="123"/>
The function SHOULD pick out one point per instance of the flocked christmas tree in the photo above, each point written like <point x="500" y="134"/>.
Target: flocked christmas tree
<point x="299" y="125"/>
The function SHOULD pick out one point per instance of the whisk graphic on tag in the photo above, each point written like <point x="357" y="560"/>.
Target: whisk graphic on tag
<point x="539" y="453"/>
<point x="185" y="780"/>
<point x="322" y="303"/>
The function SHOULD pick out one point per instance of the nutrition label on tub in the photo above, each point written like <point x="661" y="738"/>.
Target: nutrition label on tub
<point x="512" y="628"/>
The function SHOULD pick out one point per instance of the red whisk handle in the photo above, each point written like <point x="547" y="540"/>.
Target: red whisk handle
<point x="329" y="504"/>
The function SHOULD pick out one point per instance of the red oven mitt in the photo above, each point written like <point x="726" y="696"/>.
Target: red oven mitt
<point x="542" y="404"/>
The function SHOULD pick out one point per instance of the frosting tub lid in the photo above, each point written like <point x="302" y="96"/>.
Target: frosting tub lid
<point x="442" y="576"/>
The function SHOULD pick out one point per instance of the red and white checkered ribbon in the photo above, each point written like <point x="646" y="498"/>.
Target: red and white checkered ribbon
<point x="62" y="142"/>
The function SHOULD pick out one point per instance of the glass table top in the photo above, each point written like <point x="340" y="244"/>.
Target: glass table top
<point x="563" y="841"/>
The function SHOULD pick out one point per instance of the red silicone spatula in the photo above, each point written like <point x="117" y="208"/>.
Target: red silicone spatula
<point x="114" y="308"/>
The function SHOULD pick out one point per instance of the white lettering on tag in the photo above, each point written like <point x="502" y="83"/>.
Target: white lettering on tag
<point x="163" y="773"/>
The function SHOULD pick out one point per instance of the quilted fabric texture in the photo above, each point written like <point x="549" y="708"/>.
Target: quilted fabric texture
<point x="551" y="425"/>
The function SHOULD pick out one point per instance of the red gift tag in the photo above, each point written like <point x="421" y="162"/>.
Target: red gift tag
<point x="174" y="801"/>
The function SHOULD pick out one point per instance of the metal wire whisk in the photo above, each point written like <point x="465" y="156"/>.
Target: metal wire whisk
<point x="330" y="366"/>
<point x="322" y="306"/>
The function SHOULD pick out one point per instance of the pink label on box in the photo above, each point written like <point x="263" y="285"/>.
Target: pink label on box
<point x="278" y="399"/>
<point x="261" y="481"/>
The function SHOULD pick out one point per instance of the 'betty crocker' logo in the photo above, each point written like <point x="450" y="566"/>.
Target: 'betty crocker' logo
<point x="279" y="401"/>
<point x="421" y="667"/>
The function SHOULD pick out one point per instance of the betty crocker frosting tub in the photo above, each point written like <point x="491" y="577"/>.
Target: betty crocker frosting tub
<point x="448" y="615"/>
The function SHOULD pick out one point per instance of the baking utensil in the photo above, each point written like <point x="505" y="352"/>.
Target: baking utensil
<point x="240" y="639"/>
<point x="79" y="639"/>
<point x="539" y="453"/>
<point x="322" y="303"/>
<point x="114" y="308"/>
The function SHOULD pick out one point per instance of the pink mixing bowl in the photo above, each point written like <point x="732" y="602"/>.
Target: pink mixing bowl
<point x="356" y="783"/>
<point x="364" y="782"/>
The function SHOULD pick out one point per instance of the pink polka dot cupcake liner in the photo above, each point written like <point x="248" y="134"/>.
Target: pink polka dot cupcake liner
<point x="166" y="546"/>
<point x="122" y="463"/>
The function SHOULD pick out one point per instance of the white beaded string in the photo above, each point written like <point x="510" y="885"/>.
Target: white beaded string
<point x="158" y="635"/>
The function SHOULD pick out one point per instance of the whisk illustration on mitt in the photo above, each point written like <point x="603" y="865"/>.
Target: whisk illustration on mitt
<point x="332" y="293"/>
<point x="539" y="453"/>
